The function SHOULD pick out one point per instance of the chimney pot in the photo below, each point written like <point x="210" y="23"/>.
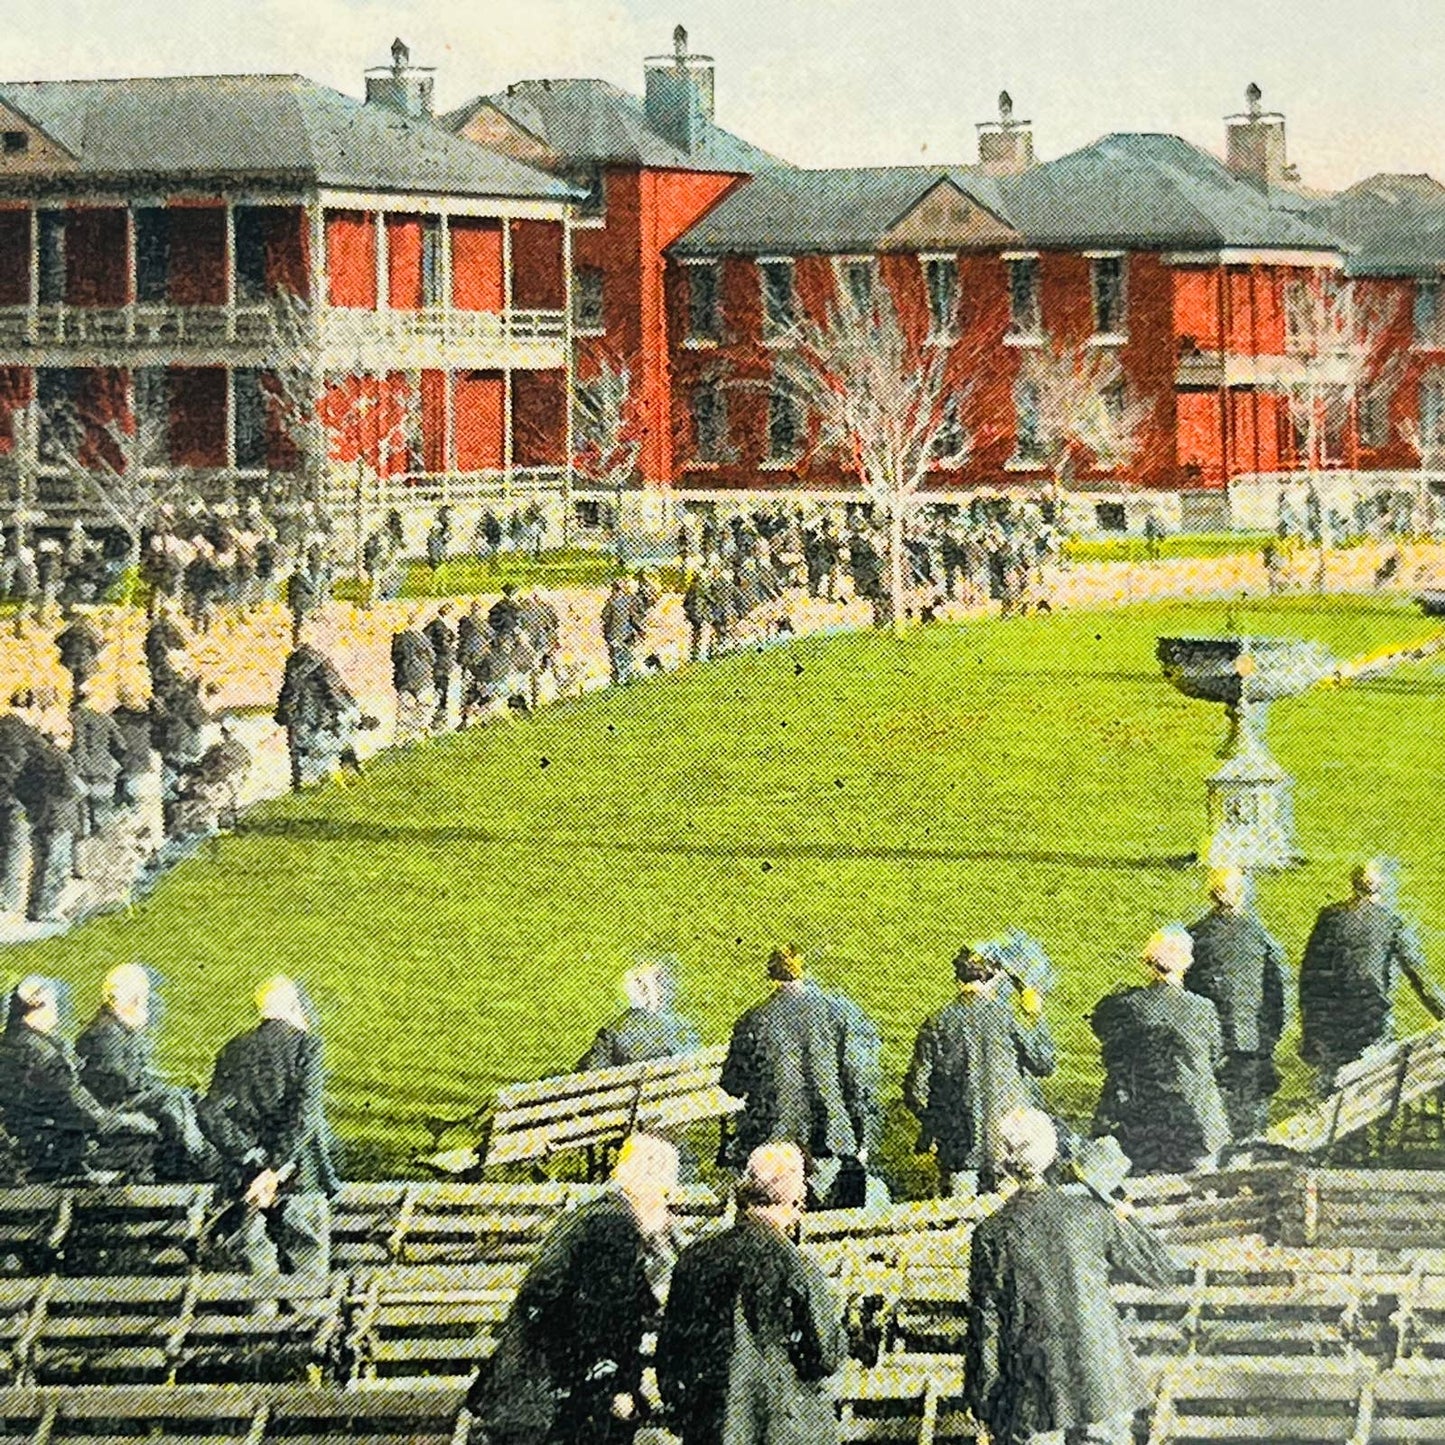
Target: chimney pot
<point x="1005" y="145"/>
<point x="1255" y="143"/>
<point x="401" y="86"/>
<point x="678" y="105"/>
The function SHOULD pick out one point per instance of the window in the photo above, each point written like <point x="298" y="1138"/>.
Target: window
<point x="780" y="308"/>
<point x="52" y="258"/>
<point x="1111" y="517"/>
<point x="704" y="308"/>
<point x="951" y="441"/>
<point x="1432" y="415"/>
<point x="1108" y="289"/>
<point x="152" y="253"/>
<point x="589" y="515"/>
<point x="1374" y="420"/>
<point x="593" y="205"/>
<point x="249" y="223"/>
<point x="1298" y="323"/>
<point x="1028" y="443"/>
<point x="785" y="427"/>
<point x="1025" y="316"/>
<point x="251" y="420"/>
<point x="433" y="291"/>
<point x="588" y="314"/>
<point x="1427" y="312"/>
<point x="1335" y="409"/>
<point x="710" y="421"/>
<point x="16" y="142"/>
<point x="940" y="276"/>
<point x="55" y="393"/>
<point x="857" y="279"/>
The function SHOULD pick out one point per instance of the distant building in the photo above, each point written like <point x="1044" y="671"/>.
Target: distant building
<point x="149" y="230"/>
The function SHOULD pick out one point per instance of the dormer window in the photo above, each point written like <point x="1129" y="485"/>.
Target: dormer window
<point x="16" y="142"/>
<point x="593" y="205"/>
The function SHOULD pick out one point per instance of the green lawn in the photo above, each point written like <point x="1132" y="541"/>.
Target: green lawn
<point x="1178" y="544"/>
<point x="461" y="915"/>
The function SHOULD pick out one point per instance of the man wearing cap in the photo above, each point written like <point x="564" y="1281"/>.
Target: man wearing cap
<point x="1350" y="972"/>
<point x="55" y="1120"/>
<point x="753" y="1334"/>
<point x="263" y="1112"/>
<point x="1162" y="1050"/>
<point x="1240" y="969"/>
<point x="16" y="737"/>
<point x="648" y="1028"/>
<point x="806" y="1062"/>
<point x="567" y="1369"/>
<point x="978" y="1057"/>
<point x="118" y="1067"/>
<point x="1046" y="1360"/>
<point x="50" y="790"/>
<point x="413" y="670"/>
<point x="320" y="715"/>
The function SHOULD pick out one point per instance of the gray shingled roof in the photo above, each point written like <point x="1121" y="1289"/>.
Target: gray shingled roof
<point x="594" y="121"/>
<point x="1136" y="190"/>
<point x="1393" y="225"/>
<point x="263" y="126"/>
<point x="828" y="212"/>
<point x="1147" y="191"/>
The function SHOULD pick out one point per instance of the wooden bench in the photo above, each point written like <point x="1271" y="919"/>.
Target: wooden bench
<point x="1367" y="1208"/>
<point x="916" y="1399"/>
<point x="130" y="1229"/>
<point x="33" y="1224"/>
<point x="108" y="1330"/>
<point x="594" y="1111"/>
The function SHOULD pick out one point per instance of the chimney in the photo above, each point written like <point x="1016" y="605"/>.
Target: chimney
<point x="679" y="99"/>
<point x="401" y="86"/>
<point x="1256" y="143"/>
<point x="1005" y="145"/>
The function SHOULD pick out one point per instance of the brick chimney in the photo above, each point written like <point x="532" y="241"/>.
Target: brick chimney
<point x="1005" y="145"/>
<point x="679" y="98"/>
<point x="401" y="86"/>
<point x="1255" y="149"/>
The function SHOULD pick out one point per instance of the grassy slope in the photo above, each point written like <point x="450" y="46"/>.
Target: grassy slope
<point x="462" y="914"/>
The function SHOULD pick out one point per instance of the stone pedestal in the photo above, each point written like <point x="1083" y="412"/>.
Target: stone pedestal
<point x="1250" y="807"/>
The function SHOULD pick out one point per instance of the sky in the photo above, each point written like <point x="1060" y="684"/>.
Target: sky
<point x="842" y="82"/>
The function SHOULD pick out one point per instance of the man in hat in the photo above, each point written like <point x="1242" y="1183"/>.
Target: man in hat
<point x="1240" y="969"/>
<point x="413" y="668"/>
<point x="805" y="1061"/>
<point x="118" y="1067"/>
<point x="567" y="1369"/>
<point x="55" y="1120"/>
<point x="1162" y="1052"/>
<point x="1046" y="1358"/>
<point x="619" y="630"/>
<point x="264" y="1114"/>
<point x="753" y="1335"/>
<point x="1351" y="970"/>
<point x="48" y="787"/>
<point x="80" y="645"/>
<point x="442" y="639"/>
<point x="320" y="715"/>
<point x="648" y="1028"/>
<point x="977" y="1058"/>
<point x="17" y="734"/>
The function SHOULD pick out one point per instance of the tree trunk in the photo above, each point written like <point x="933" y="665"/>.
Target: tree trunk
<point x="895" y="566"/>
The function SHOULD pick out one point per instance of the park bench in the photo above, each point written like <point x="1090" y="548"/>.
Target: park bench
<point x="1370" y="1095"/>
<point x="917" y="1399"/>
<point x="230" y="1415"/>
<point x="133" y="1228"/>
<point x="108" y="1330"/>
<point x="591" y="1112"/>
<point x="1366" y="1208"/>
<point x="34" y="1221"/>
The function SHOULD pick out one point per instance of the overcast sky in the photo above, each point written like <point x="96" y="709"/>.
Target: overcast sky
<point x="834" y="82"/>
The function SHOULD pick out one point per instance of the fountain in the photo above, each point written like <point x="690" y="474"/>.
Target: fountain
<point x="1249" y="802"/>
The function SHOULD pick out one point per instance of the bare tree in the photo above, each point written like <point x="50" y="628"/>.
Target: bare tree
<point x="1080" y="409"/>
<point x="294" y="385"/>
<point x="892" y="407"/>
<point x="607" y="437"/>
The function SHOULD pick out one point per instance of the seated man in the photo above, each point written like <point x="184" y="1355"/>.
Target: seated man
<point x="263" y="1112"/>
<point x="54" y="1119"/>
<point x="648" y="1028"/>
<point x="115" y="1053"/>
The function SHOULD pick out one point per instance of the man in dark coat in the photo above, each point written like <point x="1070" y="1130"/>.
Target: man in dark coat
<point x="474" y="642"/>
<point x="16" y="737"/>
<point x="55" y="1120"/>
<point x="1046" y="1355"/>
<point x="49" y="789"/>
<point x="567" y="1369"/>
<point x="80" y="644"/>
<point x="619" y="623"/>
<point x="320" y="716"/>
<point x="505" y="615"/>
<point x="264" y="1115"/>
<point x="1162" y="1052"/>
<point x="118" y="1067"/>
<point x="753" y="1334"/>
<point x="1240" y="969"/>
<point x="442" y="640"/>
<point x="413" y="664"/>
<point x="101" y="756"/>
<point x="1352" y="965"/>
<point x="648" y="1028"/>
<point x="805" y="1061"/>
<point x="974" y="1061"/>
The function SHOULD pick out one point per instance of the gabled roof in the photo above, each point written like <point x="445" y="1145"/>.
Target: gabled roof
<point x="262" y="126"/>
<point x="592" y="121"/>
<point x="1394" y="225"/>
<point x="828" y="212"/>
<point x="1149" y="191"/>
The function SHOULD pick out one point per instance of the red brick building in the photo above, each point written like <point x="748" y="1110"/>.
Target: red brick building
<point x="149" y="230"/>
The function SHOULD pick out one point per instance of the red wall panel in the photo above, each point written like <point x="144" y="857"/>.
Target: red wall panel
<point x="476" y="264"/>
<point x="434" y="421"/>
<point x="197" y="272"/>
<point x="539" y="418"/>
<point x="537" y="279"/>
<point x="351" y="259"/>
<point x="403" y="262"/>
<point x="479" y="420"/>
<point x="197" y="416"/>
<point x="95" y="257"/>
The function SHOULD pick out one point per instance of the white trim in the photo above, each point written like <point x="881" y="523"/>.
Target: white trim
<point x="1243" y="256"/>
<point x="1019" y="255"/>
<point x="700" y="343"/>
<point x="1107" y="338"/>
<point x="926" y="256"/>
<point x="1104" y="255"/>
<point x="406" y="203"/>
<point x="772" y="260"/>
<point x="1024" y="338"/>
<point x="700" y="261"/>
